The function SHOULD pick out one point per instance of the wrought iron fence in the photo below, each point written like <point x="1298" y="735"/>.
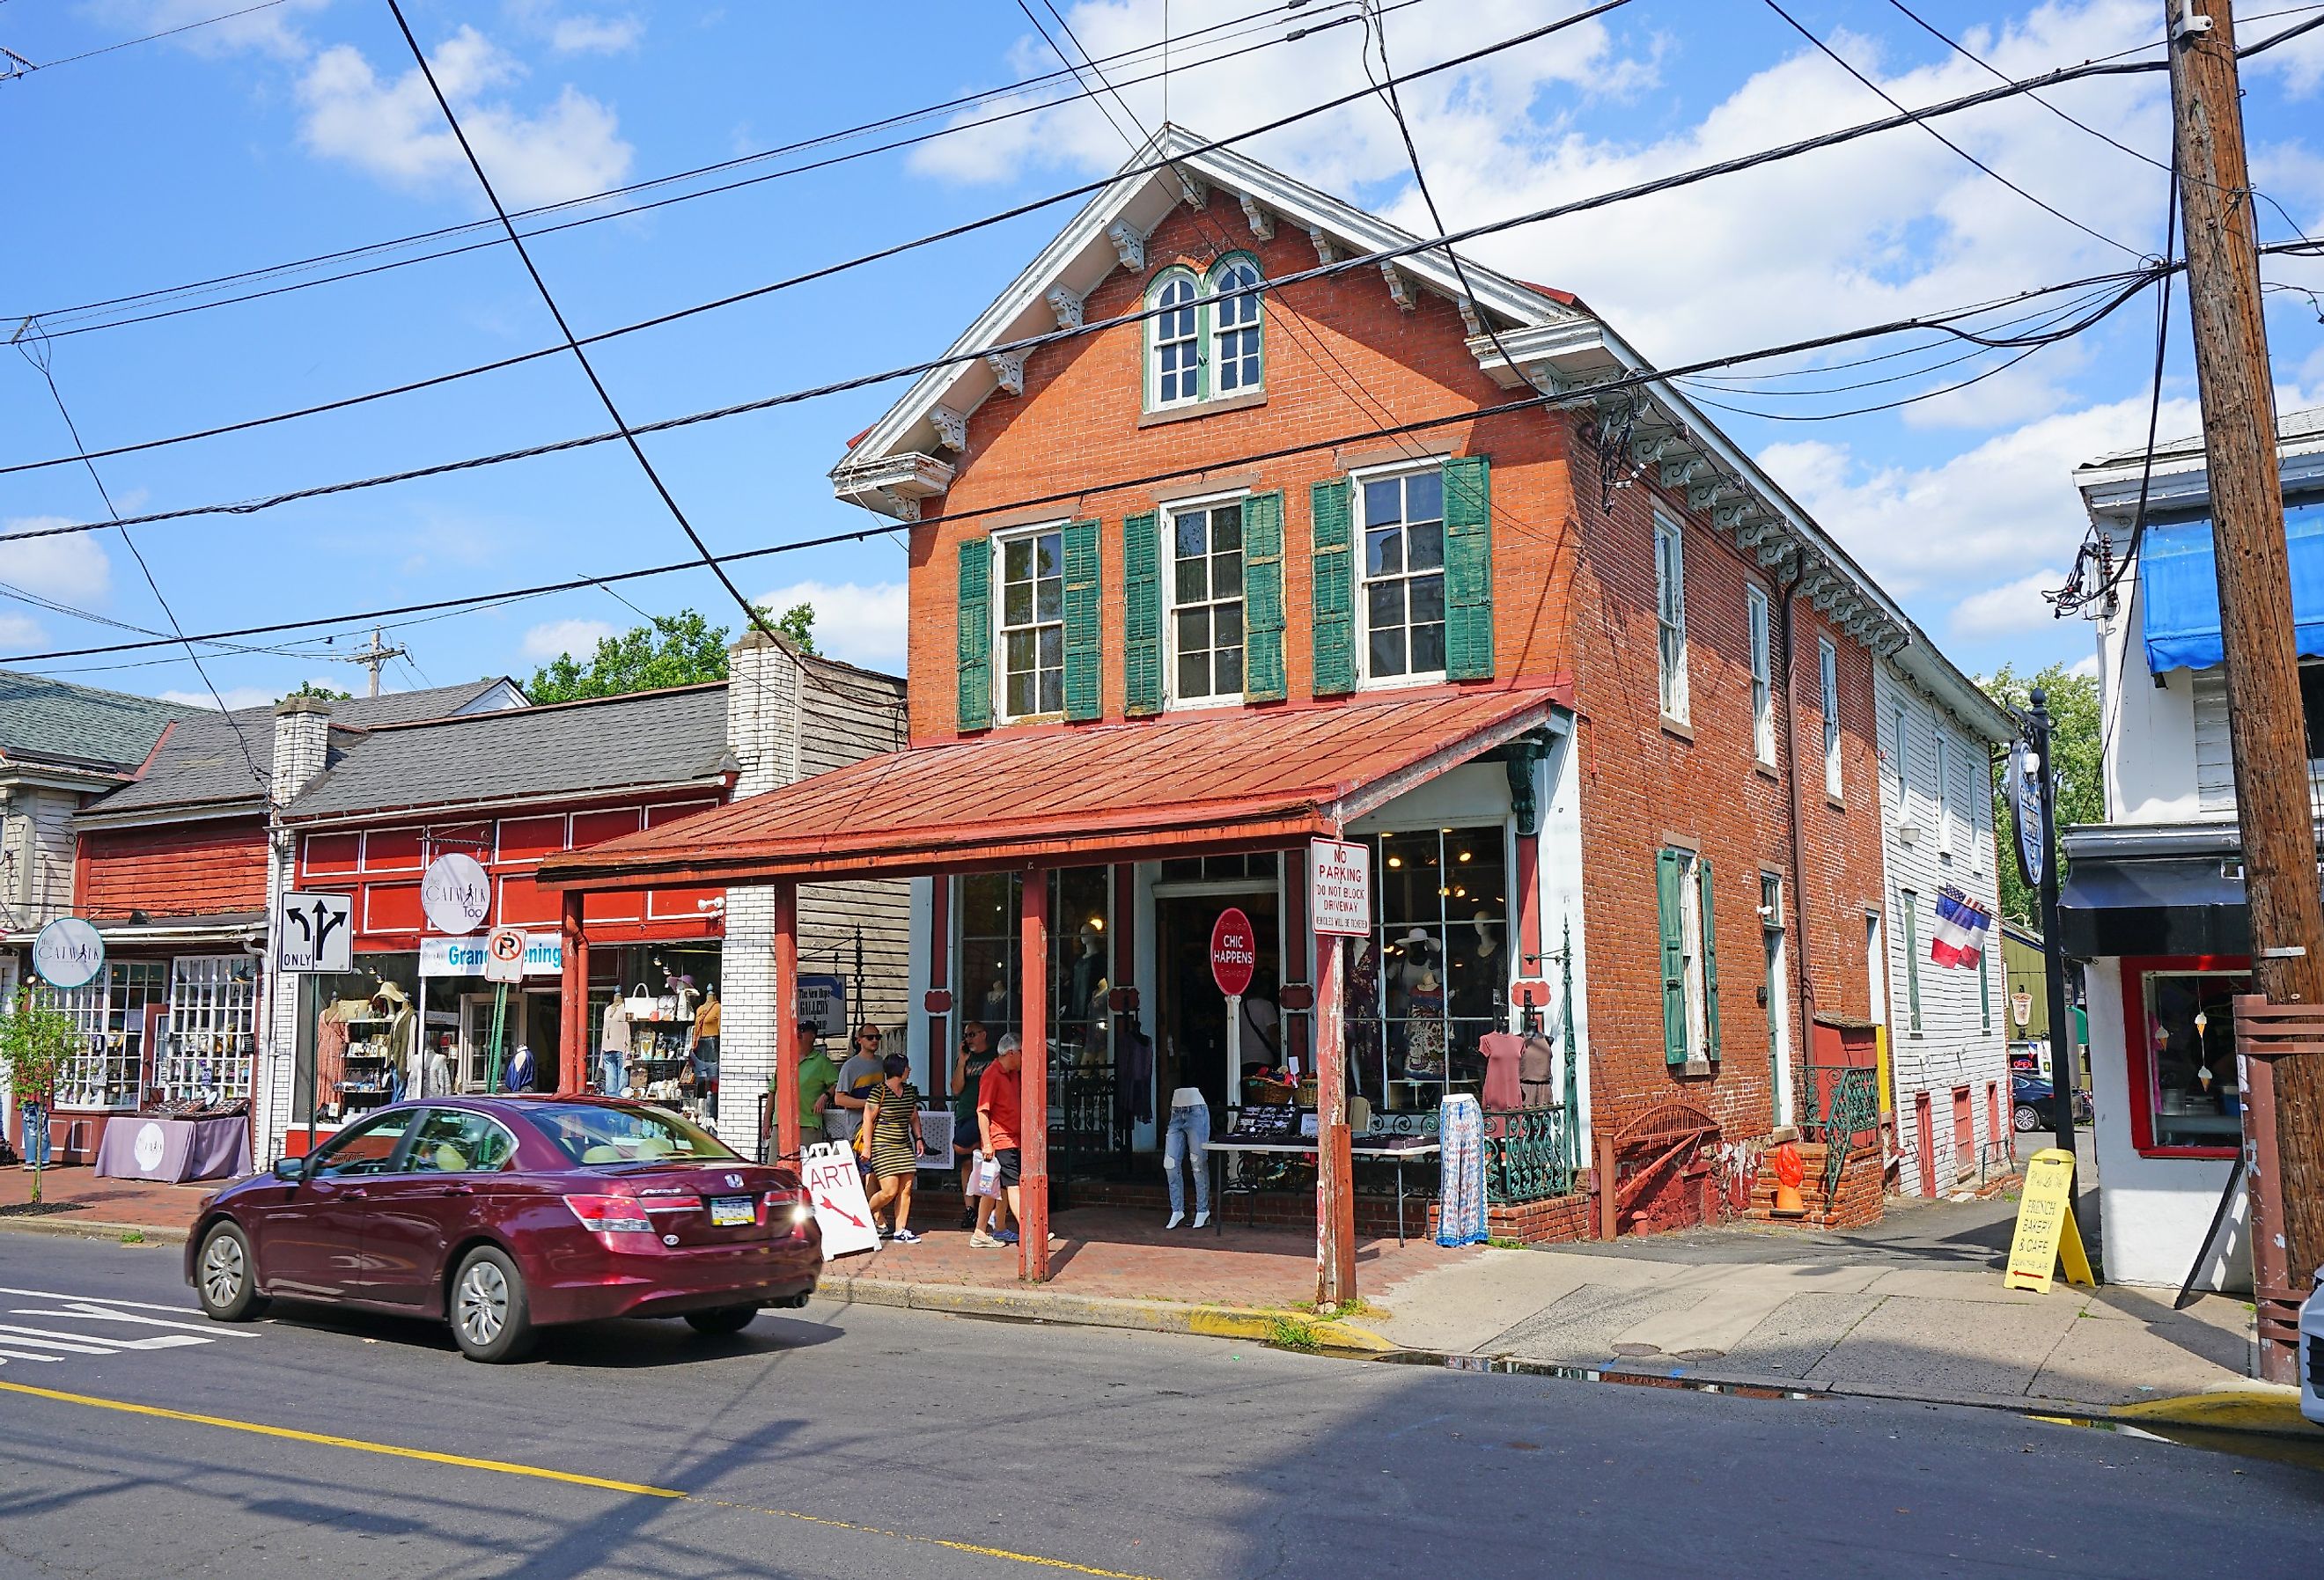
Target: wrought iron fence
<point x="1533" y="1154"/>
<point x="1850" y="1102"/>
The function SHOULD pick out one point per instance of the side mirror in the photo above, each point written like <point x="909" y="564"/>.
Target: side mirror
<point x="290" y="1170"/>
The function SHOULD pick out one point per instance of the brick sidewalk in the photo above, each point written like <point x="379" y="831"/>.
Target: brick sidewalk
<point x="168" y="1208"/>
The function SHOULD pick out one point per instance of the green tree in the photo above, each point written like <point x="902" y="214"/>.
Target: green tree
<point x="35" y="1044"/>
<point x="682" y="649"/>
<point x="309" y="689"/>
<point x="2077" y="745"/>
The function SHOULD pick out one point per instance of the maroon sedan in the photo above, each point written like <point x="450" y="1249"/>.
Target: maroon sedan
<point x="506" y="1214"/>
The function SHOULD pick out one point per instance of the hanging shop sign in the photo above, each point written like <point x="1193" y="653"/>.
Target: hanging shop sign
<point x="67" y="953"/>
<point x="314" y="932"/>
<point x="456" y="894"/>
<point x="1234" y="952"/>
<point x="1340" y="888"/>
<point x="835" y="1186"/>
<point x="504" y="952"/>
<point x="2021" y="1007"/>
<point x="824" y="1001"/>
<point x="544" y="955"/>
<point x="2025" y="806"/>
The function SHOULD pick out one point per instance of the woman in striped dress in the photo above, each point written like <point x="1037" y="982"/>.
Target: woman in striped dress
<point x="891" y="1117"/>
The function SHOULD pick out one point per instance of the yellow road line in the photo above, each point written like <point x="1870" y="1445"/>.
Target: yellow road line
<point x="506" y="1467"/>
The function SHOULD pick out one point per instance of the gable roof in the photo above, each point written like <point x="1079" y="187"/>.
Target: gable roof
<point x="1556" y="343"/>
<point x="55" y="722"/>
<point x="201" y="767"/>
<point x="639" y="740"/>
<point x="2182" y="472"/>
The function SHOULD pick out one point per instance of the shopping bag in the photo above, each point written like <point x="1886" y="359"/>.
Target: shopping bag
<point x="986" y="1178"/>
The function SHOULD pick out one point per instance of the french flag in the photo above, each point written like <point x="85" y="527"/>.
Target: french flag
<point x="1961" y="925"/>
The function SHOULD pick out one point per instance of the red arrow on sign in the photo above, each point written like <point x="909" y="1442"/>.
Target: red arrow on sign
<point x="829" y="1207"/>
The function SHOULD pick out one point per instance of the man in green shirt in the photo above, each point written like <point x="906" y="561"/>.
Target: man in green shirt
<point x="817" y="1076"/>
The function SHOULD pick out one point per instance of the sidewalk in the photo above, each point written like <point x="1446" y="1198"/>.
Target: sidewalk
<point x="92" y="1205"/>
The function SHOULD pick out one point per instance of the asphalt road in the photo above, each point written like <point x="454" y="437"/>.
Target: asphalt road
<point x="869" y="1443"/>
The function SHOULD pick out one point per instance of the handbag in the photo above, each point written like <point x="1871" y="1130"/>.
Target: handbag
<point x="640" y="1004"/>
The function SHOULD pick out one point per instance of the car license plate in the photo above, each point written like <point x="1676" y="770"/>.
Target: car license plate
<point x="728" y="1211"/>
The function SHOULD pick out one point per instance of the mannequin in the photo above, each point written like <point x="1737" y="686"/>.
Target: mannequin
<point x="518" y="1077"/>
<point x="1487" y="945"/>
<point x="706" y="1050"/>
<point x="390" y="1005"/>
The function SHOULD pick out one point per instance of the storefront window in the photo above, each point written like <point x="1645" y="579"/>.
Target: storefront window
<point x="108" y="1068"/>
<point x="1080" y="970"/>
<point x="1433" y="977"/>
<point x="2192" y="1096"/>
<point x="211" y="1033"/>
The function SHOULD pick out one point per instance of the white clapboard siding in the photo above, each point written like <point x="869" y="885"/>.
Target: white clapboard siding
<point x="2214" y="766"/>
<point x="848" y="715"/>
<point x="1955" y="1046"/>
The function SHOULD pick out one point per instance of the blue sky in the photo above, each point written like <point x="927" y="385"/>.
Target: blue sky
<point x="300" y="129"/>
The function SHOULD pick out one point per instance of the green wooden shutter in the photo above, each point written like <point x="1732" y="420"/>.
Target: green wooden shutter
<point x="1142" y="616"/>
<point x="1335" y="594"/>
<point x="1085" y="678"/>
<point x="1985" y="992"/>
<point x="1710" y="960"/>
<point x="1670" y="874"/>
<point x="1262" y="598"/>
<point x="1468" y="568"/>
<point x="1910" y="904"/>
<point x="975" y="634"/>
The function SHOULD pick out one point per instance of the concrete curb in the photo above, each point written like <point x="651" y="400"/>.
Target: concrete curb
<point x="1255" y="1324"/>
<point x="96" y="1229"/>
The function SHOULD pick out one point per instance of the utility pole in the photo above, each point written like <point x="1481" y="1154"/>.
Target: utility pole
<point x="2265" y="728"/>
<point x="375" y="657"/>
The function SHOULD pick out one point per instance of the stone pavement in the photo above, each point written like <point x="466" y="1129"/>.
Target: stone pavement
<point x="94" y="1205"/>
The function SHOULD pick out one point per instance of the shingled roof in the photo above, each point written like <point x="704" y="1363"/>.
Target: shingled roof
<point x="51" y="721"/>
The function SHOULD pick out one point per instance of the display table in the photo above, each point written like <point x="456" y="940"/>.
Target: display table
<point x="136" y="1147"/>
<point x="1396" y="1150"/>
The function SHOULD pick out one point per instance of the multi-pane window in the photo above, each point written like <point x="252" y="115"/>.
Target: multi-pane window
<point x="1206" y="601"/>
<point x="1434" y="978"/>
<point x="991" y="954"/>
<point x="1234" y="327"/>
<point x="1177" y="341"/>
<point x="1670" y="614"/>
<point x="1763" y="689"/>
<point x="1033" y="623"/>
<point x="1828" y="668"/>
<point x="210" y="1038"/>
<point x="1403" y="527"/>
<point x="108" y="1068"/>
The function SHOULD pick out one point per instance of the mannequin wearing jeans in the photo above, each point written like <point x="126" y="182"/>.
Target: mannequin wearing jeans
<point x="1189" y="1134"/>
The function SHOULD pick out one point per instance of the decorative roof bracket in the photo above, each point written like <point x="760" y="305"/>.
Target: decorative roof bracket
<point x="1128" y="245"/>
<point x="1255" y="215"/>
<point x="1008" y="370"/>
<point x="1067" y="306"/>
<point x="951" y="426"/>
<point x="1399" y="288"/>
<point x="1327" y="251"/>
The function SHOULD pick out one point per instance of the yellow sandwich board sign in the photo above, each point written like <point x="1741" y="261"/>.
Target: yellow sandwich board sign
<point x="2045" y="1226"/>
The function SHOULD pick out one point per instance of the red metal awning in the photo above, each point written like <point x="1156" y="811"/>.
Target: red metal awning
<point x="1074" y="795"/>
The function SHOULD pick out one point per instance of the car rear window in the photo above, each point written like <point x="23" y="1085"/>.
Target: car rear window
<point x="597" y="1137"/>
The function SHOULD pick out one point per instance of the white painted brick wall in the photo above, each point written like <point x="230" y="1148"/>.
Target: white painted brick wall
<point x="302" y="744"/>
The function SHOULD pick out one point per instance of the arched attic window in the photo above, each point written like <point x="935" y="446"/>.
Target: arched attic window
<point x="1235" y="355"/>
<point x="1174" y="338"/>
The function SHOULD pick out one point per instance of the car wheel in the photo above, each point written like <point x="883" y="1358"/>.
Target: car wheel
<point x="2025" y="1118"/>
<point x="718" y="1323"/>
<point x="491" y="1321"/>
<point x="225" y="1276"/>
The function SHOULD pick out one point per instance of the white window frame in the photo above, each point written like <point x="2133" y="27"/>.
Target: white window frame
<point x="1363" y="580"/>
<point x="1690" y="919"/>
<point x="1166" y="559"/>
<point x="1216" y="361"/>
<point x="1828" y="672"/>
<point x="1944" y="793"/>
<point x="1757" y="612"/>
<point x="1670" y="615"/>
<point x="1001" y="628"/>
<point x="1197" y="337"/>
<point x="1900" y="726"/>
<point x="209" y="1041"/>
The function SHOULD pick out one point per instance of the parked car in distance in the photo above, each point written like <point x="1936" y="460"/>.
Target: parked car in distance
<point x="503" y="1215"/>
<point x="2034" y="1105"/>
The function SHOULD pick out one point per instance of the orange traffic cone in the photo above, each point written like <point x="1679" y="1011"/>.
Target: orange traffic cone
<point x="1788" y="1174"/>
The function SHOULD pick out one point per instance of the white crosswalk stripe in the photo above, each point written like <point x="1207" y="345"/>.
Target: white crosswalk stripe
<point x="78" y="1326"/>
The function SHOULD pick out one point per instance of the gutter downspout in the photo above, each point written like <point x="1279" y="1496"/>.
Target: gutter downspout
<point x="1803" y="1093"/>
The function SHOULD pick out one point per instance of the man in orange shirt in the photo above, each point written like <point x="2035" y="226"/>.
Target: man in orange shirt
<point x="999" y="1107"/>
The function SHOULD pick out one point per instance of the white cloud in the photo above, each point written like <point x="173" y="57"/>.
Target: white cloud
<point x="20" y="631"/>
<point x="2009" y="609"/>
<point x="578" y="637"/>
<point x="854" y="622"/>
<point x="395" y="131"/>
<point x="2087" y="667"/>
<point x="72" y="569"/>
<point x="271" y="30"/>
<point x="234" y="696"/>
<point x="595" y="35"/>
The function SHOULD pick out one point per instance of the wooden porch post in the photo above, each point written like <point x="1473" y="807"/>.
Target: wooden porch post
<point x="1033" y="1122"/>
<point x="1336" y="1201"/>
<point x="784" y="893"/>
<point x="573" y="1002"/>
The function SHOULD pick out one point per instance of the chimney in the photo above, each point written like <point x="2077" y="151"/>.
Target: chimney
<point x="762" y="712"/>
<point x="302" y="744"/>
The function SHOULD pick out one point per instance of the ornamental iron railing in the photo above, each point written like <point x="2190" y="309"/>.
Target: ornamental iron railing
<point x="1849" y="1098"/>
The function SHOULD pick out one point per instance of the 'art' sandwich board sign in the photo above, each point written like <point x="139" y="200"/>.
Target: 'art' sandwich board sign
<point x="835" y="1186"/>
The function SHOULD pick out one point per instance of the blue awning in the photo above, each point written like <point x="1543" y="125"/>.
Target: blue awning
<point x="2179" y="583"/>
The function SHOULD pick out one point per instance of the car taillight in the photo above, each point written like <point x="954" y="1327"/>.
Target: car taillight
<point x="789" y="1208"/>
<point x="611" y="1214"/>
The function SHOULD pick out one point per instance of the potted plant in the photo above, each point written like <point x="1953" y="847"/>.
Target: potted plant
<point x="35" y="1044"/>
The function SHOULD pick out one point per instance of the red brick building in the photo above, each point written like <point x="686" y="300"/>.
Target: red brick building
<point x="1264" y="562"/>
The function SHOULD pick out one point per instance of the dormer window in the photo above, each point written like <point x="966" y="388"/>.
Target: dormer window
<point x="1205" y="339"/>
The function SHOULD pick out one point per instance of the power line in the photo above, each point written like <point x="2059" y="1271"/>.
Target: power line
<point x="1839" y="60"/>
<point x="67" y="315"/>
<point x="1597" y="391"/>
<point x="1029" y="343"/>
<point x="748" y="610"/>
<point x="31" y="67"/>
